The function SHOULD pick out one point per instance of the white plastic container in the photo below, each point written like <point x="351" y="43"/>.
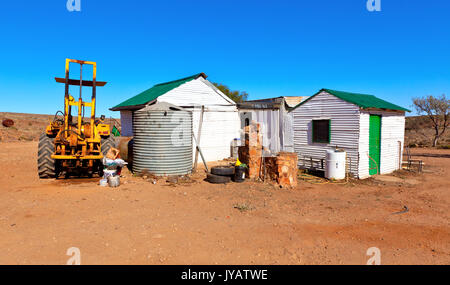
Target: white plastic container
<point x="108" y="172"/>
<point x="113" y="181"/>
<point x="335" y="164"/>
<point x="103" y="182"/>
<point x="235" y="144"/>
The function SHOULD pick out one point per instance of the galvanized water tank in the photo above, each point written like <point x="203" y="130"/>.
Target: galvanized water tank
<point x="162" y="140"/>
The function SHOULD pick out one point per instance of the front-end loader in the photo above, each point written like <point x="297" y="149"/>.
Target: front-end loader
<point x="75" y="146"/>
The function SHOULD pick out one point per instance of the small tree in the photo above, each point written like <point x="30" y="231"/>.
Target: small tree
<point x="437" y="110"/>
<point x="236" y="96"/>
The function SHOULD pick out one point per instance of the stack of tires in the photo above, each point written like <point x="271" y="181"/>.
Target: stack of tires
<point x="220" y="174"/>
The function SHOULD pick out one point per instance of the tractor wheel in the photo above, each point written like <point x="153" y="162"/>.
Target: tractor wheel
<point x="46" y="164"/>
<point x="107" y="144"/>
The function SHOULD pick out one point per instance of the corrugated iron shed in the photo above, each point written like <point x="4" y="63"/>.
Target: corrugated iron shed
<point x="362" y="100"/>
<point x="151" y="94"/>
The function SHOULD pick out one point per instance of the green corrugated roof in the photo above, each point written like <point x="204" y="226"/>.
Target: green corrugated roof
<point x="361" y="100"/>
<point x="154" y="92"/>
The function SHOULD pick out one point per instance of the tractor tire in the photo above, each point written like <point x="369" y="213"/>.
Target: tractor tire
<point x="46" y="164"/>
<point x="217" y="179"/>
<point x="222" y="170"/>
<point x="107" y="144"/>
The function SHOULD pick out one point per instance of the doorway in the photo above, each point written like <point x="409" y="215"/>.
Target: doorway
<point x="374" y="144"/>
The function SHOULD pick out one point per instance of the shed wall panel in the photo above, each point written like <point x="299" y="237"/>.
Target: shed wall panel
<point x="196" y="93"/>
<point x="276" y="127"/>
<point x="269" y="121"/>
<point x="364" y="122"/>
<point x="221" y="123"/>
<point x="392" y="141"/>
<point x="344" y="132"/>
<point x="126" y="123"/>
<point x="219" y="129"/>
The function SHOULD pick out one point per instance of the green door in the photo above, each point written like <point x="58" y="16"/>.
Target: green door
<point x="374" y="144"/>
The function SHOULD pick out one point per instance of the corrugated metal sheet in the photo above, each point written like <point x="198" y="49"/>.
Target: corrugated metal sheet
<point x="392" y="139"/>
<point x="361" y="100"/>
<point x="221" y="123"/>
<point x="392" y="135"/>
<point x="363" y="165"/>
<point x="267" y="103"/>
<point x="344" y="118"/>
<point x="219" y="129"/>
<point x="196" y="93"/>
<point x="126" y="123"/>
<point x="154" y="92"/>
<point x="269" y="121"/>
<point x="162" y="142"/>
<point x="276" y="122"/>
<point x="288" y="133"/>
<point x="350" y="131"/>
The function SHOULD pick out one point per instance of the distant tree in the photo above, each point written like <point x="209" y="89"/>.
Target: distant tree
<point x="437" y="110"/>
<point x="236" y="96"/>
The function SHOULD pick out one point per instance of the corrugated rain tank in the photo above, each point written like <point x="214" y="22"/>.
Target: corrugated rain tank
<point x="162" y="140"/>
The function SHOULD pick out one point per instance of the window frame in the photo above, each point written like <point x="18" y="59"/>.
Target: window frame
<point x="329" y="131"/>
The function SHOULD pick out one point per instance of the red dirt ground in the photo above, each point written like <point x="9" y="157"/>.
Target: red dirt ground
<point x="197" y="223"/>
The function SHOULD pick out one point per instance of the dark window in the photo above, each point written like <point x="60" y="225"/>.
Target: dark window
<point x="321" y="131"/>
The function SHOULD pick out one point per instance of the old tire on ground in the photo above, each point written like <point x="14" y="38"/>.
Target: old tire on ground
<point x="107" y="144"/>
<point x="217" y="179"/>
<point x="46" y="164"/>
<point x="222" y="170"/>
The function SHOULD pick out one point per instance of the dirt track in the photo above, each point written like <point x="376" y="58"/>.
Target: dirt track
<point x="143" y="223"/>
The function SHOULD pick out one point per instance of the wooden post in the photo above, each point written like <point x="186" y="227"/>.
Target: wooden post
<point x="199" y="137"/>
<point x="201" y="154"/>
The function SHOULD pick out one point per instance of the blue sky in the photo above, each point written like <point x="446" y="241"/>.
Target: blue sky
<point x="266" y="48"/>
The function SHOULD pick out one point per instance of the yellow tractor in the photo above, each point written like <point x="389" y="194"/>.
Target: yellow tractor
<point x="75" y="147"/>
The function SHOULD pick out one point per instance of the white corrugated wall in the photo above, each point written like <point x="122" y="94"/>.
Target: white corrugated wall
<point x="350" y="131"/>
<point x="126" y="123"/>
<point x="288" y="133"/>
<point x="219" y="129"/>
<point x="221" y="123"/>
<point x="269" y="121"/>
<point x="363" y="167"/>
<point x="392" y="139"/>
<point x="276" y="128"/>
<point x="196" y="93"/>
<point x="344" y="118"/>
